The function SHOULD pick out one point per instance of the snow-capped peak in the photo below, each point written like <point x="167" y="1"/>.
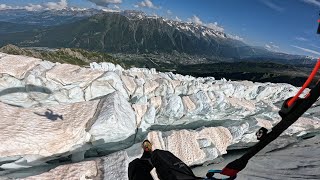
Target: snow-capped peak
<point x="210" y="30"/>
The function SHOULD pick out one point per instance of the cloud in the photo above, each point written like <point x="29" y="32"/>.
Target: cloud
<point x="33" y="7"/>
<point x="147" y="4"/>
<point x="196" y="20"/>
<point x="215" y="26"/>
<point x="63" y="4"/>
<point x="30" y="7"/>
<point x="307" y="50"/>
<point x="313" y="2"/>
<point x="235" y="37"/>
<point x="4" y="7"/>
<point x="272" y="5"/>
<point x="301" y="39"/>
<point x="109" y="10"/>
<point x="169" y="12"/>
<point x="313" y="45"/>
<point x="105" y="3"/>
<point x="272" y="47"/>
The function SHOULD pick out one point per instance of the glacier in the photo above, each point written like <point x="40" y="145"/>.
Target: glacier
<point x="106" y="111"/>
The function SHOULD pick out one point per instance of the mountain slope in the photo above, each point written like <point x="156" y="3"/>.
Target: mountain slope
<point x="6" y="27"/>
<point x="63" y="55"/>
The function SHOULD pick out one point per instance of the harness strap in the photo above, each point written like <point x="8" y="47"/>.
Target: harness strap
<point x="299" y="107"/>
<point x="305" y="85"/>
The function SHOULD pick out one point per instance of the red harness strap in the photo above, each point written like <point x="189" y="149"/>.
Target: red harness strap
<point x="305" y="85"/>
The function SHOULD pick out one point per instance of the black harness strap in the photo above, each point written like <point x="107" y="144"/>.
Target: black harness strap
<point x="288" y="118"/>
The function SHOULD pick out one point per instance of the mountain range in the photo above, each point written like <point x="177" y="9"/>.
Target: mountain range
<point x="46" y="17"/>
<point x="131" y="32"/>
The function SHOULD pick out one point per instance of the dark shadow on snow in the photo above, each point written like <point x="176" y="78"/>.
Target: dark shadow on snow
<point x="26" y="89"/>
<point x="50" y="115"/>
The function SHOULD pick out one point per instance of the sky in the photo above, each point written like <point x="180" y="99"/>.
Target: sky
<point x="286" y="26"/>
